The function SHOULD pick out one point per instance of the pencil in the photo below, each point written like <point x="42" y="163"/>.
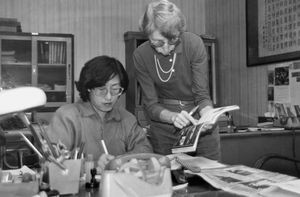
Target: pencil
<point x="104" y="147"/>
<point x="193" y="110"/>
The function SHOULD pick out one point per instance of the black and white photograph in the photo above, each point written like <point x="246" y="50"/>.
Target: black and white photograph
<point x="103" y="98"/>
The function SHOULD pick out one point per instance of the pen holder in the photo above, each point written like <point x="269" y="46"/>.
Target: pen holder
<point x="65" y="182"/>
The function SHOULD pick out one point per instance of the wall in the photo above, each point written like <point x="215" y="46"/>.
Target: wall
<point x="98" y="25"/>
<point x="237" y="83"/>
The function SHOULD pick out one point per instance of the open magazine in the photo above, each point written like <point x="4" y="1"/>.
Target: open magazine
<point x="188" y="138"/>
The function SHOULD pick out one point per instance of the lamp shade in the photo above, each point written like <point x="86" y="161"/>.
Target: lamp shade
<point x="21" y="99"/>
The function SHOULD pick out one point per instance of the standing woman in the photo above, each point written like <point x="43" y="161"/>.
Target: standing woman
<point x="173" y="73"/>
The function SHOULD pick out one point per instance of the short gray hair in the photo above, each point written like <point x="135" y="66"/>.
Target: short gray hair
<point x="164" y="16"/>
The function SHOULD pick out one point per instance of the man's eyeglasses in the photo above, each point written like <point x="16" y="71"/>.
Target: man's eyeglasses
<point x="160" y="43"/>
<point x="114" y="91"/>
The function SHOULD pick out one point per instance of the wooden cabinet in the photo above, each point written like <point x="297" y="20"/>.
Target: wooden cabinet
<point x="41" y="60"/>
<point x="133" y="94"/>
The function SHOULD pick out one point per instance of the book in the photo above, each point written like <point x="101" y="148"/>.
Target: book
<point x="189" y="135"/>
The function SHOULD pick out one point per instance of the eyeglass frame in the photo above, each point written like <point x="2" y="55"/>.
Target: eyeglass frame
<point x="102" y="91"/>
<point x="162" y="43"/>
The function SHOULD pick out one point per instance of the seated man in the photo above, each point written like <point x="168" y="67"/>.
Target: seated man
<point x="96" y="116"/>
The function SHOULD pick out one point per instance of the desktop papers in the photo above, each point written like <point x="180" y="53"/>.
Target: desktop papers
<point x="292" y="187"/>
<point x="244" y="180"/>
<point x="198" y="162"/>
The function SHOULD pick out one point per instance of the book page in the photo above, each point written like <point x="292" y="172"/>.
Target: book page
<point x="212" y="115"/>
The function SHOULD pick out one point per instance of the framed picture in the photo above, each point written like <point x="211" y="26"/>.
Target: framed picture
<point x="273" y="31"/>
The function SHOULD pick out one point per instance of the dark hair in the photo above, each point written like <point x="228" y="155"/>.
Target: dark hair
<point x="97" y="72"/>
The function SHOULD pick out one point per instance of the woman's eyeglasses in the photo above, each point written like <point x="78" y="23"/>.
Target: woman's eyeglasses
<point x="161" y="43"/>
<point x="114" y="91"/>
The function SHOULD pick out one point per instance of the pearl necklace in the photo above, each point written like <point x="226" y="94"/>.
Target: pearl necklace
<point x="159" y="68"/>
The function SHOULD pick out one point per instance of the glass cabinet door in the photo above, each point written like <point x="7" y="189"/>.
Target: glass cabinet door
<point x="39" y="60"/>
<point x="52" y="70"/>
<point x="16" y="55"/>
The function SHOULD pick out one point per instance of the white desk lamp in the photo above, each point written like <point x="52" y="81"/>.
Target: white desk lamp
<point x="21" y="99"/>
<point x="17" y="101"/>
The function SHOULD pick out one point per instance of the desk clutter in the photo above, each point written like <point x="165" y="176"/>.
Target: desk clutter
<point x="18" y="181"/>
<point x="148" y="175"/>
<point x="130" y="175"/>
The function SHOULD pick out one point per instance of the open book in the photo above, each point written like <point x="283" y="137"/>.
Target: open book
<point x="188" y="138"/>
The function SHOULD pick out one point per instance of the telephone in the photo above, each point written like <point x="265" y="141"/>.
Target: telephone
<point x="141" y="174"/>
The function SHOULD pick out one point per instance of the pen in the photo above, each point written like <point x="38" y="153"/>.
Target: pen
<point x="80" y="152"/>
<point x="47" y="139"/>
<point x="40" y="155"/>
<point x="193" y="110"/>
<point x="104" y="147"/>
<point x="76" y="153"/>
<point x="58" y="164"/>
<point x="31" y="145"/>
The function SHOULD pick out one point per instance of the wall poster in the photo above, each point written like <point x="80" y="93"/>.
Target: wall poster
<point x="273" y="31"/>
<point x="284" y="91"/>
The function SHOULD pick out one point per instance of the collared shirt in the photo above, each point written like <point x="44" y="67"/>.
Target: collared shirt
<point x="189" y="82"/>
<point x="73" y="123"/>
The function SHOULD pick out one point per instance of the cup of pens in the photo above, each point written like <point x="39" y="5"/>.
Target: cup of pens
<point x="61" y="167"/>
<point x="65" y="181"/>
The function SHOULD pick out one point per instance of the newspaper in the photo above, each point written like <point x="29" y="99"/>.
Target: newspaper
<point x="243" y="180"/>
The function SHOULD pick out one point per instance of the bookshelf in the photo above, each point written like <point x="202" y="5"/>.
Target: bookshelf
<point x="41" y="60"/>
<point x="134" y="96"/>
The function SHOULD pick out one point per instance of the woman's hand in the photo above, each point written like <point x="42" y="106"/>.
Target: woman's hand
<point x="182" y="119"/>
<point x="103" y="161"/>
<point x="206" y="127"/>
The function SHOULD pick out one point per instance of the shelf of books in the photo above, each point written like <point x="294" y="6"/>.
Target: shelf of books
<point x="41" y="60"/>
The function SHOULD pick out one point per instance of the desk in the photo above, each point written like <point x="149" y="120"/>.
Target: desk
<point x="246" y="148"/>
<point x="197" y="188"/>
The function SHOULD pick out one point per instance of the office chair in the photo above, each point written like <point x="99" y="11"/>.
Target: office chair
<point x="259" y="163"/>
